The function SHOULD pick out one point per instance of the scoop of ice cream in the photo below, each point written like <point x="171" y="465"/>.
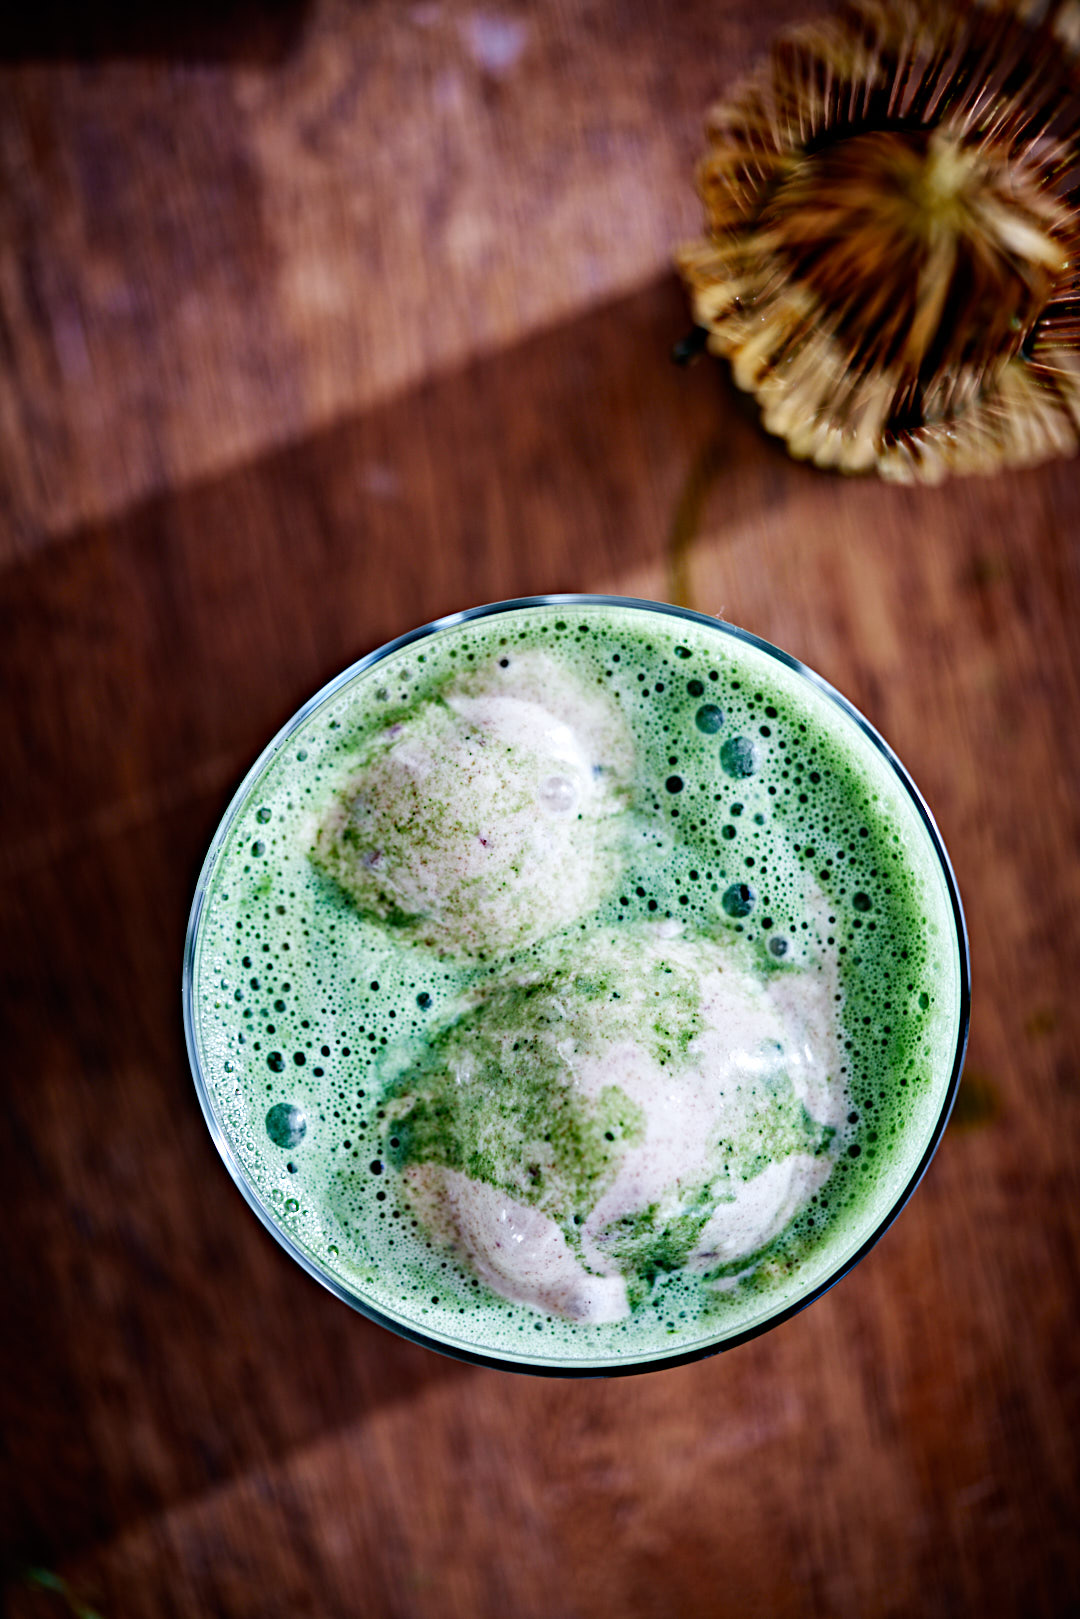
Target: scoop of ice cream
<point x="517" y="1249"/>
<point x="487" y="817"/>
<point x="629" y="1104"/>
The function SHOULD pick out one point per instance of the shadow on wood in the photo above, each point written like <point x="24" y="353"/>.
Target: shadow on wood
<point x="194" y="31"/>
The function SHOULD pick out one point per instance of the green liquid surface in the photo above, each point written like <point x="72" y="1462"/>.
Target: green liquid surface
<point x="311" y="1020"/>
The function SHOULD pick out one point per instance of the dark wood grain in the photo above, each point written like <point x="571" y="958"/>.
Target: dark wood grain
<point x="198" y="262"/>
<point x="190" y="1425"/>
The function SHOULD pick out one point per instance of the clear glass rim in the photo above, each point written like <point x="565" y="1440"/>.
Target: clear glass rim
<point x="621" y="1367"/>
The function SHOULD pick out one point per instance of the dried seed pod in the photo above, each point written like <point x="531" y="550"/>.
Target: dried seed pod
<point x="892" y="263"/>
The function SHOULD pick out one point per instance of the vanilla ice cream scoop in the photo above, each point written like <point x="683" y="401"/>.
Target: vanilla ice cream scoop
<point x="626" y="1105"/>
<point x="489" y="816"/>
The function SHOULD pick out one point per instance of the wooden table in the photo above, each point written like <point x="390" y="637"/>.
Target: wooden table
<point x="319" y="320"/>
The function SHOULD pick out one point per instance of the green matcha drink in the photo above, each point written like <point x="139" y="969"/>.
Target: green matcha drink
<point x="577" y="984"/>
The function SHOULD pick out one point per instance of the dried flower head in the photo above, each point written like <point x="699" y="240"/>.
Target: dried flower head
<point x="892" y="263"/>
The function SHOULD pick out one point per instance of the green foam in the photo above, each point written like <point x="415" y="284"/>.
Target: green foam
<point x="788" y="791"/>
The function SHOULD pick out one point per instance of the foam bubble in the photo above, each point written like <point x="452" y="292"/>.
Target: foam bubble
<point x="286" y="1125"/>
<point x="739" y="756"/>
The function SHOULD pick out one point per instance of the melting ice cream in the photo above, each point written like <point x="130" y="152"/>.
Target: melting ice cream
<point x="629" y="1103"/>
<point x="489" y="816"/>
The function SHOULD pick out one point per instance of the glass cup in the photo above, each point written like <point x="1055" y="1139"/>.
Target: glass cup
<point x="220" y="1082"/>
